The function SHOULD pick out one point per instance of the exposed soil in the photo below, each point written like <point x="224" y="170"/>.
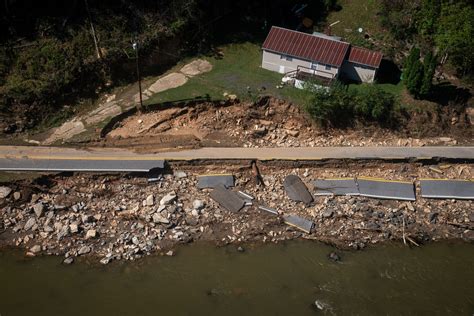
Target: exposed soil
<point x="276" y="123"/>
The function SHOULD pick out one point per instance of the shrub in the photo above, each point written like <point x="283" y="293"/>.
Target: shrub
<point x="340" y="106"/>
<point x="373" y="103"/>
<point x="332" y="106"/>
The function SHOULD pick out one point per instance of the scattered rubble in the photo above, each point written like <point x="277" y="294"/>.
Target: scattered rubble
<point x="104" y="215"/>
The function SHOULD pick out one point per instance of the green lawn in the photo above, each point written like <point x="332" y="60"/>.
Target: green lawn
<point x="238" y="69"/>
<point x="356" y="14"/>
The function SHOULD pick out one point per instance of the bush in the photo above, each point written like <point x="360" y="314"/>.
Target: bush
<point x="331" y="107"/>
<point x="372" y="103"/>
<point x="340" y="106"/>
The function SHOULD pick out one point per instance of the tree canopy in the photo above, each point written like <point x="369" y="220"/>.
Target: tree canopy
<point x="443" y="25"/>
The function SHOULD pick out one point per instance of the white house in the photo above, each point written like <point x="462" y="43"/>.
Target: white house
<point x="318" y="55"/>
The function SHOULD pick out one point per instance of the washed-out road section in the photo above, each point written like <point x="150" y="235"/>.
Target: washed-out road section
<point x="25" y="158"/>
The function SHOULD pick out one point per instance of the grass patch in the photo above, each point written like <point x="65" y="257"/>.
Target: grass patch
<point x="357" y="14"/>
<point x="237" y="69"/>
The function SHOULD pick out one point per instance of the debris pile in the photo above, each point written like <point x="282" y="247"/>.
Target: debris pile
<point x="125" y="217"/>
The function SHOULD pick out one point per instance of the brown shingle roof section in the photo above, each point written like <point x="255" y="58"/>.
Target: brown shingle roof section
<point x="306" y="46"/>
<point x="365" y="57"/>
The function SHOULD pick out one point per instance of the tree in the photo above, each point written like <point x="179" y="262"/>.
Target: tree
<point x="413" y="72"/>
<point x="410" y="61"/>
<point x="455" y="33"/>
<point x="429" y="67"/>
<point x="427" y="18"/>
<point x="399" y="17"/>
<point x="446" y="26"/>
<point x="415" y="79"/>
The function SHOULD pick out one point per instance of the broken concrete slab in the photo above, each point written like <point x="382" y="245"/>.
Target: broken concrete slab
<point x="299" y="223"/>
<point x="66" y="131"/>
<point x="227" y="199"/>
<point x="340" y="186"/>
<point x="386" y="189"/>
<point x="104" y="111"/>
<point x="196" y="67"/>
<point x="214" y="180"/>
<point x="297" y="190"/>
<point x="447" y="189"/>
<point x="170" y="81"/>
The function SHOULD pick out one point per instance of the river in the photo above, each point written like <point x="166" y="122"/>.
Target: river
<point x="283" y="279"/>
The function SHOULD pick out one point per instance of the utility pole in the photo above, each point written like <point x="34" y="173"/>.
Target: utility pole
<point x="135" y="48"/>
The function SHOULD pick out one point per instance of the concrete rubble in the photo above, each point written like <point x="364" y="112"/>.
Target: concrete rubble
<point x="122" y="217"/>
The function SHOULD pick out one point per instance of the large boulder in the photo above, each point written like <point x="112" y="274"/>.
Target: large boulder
<point x="29" y="224"/>
<point x="38" y="208"/>
<point x="5" y="192"/>
<point x="91" y="233"/>
<point x="168" y="198"/>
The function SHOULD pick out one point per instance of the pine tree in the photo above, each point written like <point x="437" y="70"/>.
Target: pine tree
<point x="429" y="65"/>
<point x="411" y="59"/>
<point x="415" y="79"/>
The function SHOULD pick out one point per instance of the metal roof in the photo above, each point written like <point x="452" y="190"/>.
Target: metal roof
<point x="306" y="46"/>
<point x="365" y="56"/>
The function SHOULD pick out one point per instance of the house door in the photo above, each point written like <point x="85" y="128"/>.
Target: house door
<point x="282" y="69"/>
<point x="314" y="67"/>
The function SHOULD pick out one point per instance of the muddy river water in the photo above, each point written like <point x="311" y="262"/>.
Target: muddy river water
<point x="283" y="279"/>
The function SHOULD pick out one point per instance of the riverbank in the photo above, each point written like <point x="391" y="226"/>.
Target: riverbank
<point x="126" y="217"/>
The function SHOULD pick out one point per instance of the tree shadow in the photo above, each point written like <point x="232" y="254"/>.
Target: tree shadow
<point x="445" y="93"/>
<point x="388" y="72"/>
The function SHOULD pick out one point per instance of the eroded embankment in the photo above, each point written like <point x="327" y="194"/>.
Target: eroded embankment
<point x="269" y="122"/>
<point x="127" y="217"/>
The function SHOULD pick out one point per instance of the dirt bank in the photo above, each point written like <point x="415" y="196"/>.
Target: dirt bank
<point x="271" y="123"/>
<point x="114" y="217"/>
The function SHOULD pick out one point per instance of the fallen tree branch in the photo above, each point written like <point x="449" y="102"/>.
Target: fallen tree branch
<point x="460" y="225"/>
<point x="412" y="241"/>
<point x="370" y="229"/>
<point x="403" y="230"/>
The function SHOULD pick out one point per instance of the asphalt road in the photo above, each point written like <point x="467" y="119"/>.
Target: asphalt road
<point x="29" y="158"/>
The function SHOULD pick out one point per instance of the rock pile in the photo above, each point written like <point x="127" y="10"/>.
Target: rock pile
<point x="122" y="217"/>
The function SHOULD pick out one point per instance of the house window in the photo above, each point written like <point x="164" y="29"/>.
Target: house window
<point x="314" y="66"/>
<point x="327" y="67"/>
<point x="286" y="57"/>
